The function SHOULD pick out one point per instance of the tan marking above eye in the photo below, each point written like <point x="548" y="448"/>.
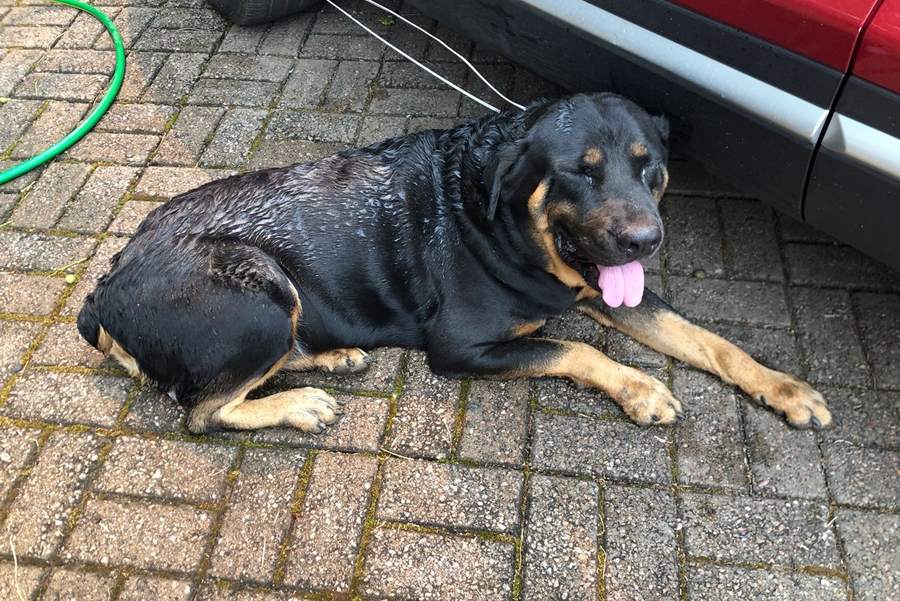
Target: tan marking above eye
<point x="638" y="149"/>
<point x="593" y="156"/>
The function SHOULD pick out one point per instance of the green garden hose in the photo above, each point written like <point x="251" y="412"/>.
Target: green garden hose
<point x="95" y="115"/>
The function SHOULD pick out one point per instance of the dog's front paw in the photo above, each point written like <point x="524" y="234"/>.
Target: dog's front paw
<point x="800" y="404"/>
<point x="646" y="400"/>
<point x="311" y="410"/>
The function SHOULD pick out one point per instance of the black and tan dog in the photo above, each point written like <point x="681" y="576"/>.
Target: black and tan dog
<point x="459" y="242"/>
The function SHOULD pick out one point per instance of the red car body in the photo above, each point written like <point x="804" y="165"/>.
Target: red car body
<point x="878" y="58"/>
<point x="822" y="30"/>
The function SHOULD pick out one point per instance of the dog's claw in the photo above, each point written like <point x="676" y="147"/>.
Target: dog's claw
<point x="816" y="422"/>
<point x="654" y="418"/>
<point x="338" y="412"/>
<point x="350" y="362"/>
<point x="838" y="421"/>
<point x="370" y="359"/>
<point x="680" y="416"/>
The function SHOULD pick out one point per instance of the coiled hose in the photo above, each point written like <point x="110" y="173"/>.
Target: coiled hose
<point x="96" y="114"/>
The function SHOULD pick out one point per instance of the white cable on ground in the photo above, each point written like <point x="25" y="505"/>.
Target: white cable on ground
<point x="422" y="66"/>
<point x="455" y="53"/>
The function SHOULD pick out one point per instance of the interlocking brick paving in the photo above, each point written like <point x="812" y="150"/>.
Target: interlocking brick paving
<point x="141" y="534"/>
<point x="258" y="515"/>
<point x="451" y="496"/>
<point x="641" y="551"/>
<point x="561" y="541"/>
<point x="427" y="488"/>
<point x="330" y="523"/>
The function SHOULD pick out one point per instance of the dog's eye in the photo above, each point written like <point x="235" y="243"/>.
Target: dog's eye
<point x="649" y="174"/>
<point x="585" y="176"/>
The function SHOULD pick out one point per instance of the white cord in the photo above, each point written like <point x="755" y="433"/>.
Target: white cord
<point x="455" y="53"/>
<point x="420" y="65"/>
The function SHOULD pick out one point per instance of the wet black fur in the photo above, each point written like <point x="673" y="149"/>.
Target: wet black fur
<point x="421" y="241"/>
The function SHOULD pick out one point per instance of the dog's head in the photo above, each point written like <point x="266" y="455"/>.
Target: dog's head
<point x="587" y="175"/>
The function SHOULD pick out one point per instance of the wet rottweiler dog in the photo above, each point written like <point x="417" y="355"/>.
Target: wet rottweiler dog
<point x="459" y="242"/>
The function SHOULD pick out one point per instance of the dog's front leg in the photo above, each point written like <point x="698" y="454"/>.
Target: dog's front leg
<point x="657" y="325"/>
<point x="644" y="398"/>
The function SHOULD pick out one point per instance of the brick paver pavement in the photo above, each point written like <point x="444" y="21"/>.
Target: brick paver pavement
<point x="428" y="488"/>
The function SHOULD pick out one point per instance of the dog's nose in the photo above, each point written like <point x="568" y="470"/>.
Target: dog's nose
<point x="640" y="242"/>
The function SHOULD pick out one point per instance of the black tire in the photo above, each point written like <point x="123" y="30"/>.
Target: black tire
<point x="254" y="12"/>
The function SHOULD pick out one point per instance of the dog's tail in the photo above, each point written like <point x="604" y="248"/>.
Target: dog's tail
<point x="89" y="321"/>
<point x="89" y="318"/>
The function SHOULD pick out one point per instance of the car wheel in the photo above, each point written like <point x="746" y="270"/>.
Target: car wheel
<point x="254" y="12"/>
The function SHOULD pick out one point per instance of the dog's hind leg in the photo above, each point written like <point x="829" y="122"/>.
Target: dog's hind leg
<point x="223" y="404"/>
<point x="220" y="322"/>
<point x="307" y="409"/>
<point x="257" y="280"/>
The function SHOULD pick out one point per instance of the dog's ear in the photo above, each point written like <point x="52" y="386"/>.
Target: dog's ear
<point x="498" y="176"/>
<point x="519" y="170"/>
<point x="661" y="122"/>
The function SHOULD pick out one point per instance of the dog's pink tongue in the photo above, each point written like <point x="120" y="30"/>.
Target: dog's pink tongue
<point x="622" y="284"/>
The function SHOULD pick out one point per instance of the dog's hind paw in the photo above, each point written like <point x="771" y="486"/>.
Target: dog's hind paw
<point x="342" y="361"/>
<point x="801" y="405"/>
<point x="346" y="361"/>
